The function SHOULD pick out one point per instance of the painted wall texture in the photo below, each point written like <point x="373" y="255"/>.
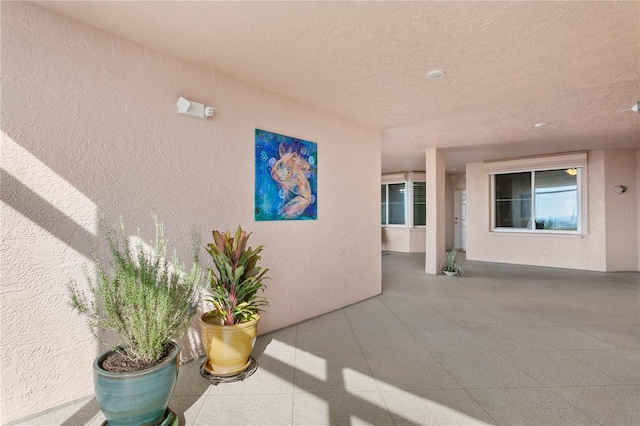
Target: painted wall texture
<point x="608" y="244"/>
<point x="436" y="210"/>
<point x="90" y="129"/>
<point x="621" y="211"/>
<point x="405" y="240"/>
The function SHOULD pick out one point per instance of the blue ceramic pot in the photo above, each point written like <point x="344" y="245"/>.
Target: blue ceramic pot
<point x="139" y="398"/>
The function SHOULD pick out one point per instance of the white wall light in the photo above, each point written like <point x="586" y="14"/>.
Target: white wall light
<point x="635" y="108"/>
<point x="194" y="109"/>
<point x="621" y="189"/>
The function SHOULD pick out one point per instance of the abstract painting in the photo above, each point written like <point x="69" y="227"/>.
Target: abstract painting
<point x="286" y="178"/>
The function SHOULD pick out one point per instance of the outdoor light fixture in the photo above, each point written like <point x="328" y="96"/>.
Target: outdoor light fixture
<point x="635" y="108"/>
<point x="194" y="109"/>
<point x="621" y="189"/>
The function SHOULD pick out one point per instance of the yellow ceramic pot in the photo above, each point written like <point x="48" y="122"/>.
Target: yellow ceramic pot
<point x="228" y="347"/>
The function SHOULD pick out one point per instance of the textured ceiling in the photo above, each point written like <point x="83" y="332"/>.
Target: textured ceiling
<point x="508" y="66"/>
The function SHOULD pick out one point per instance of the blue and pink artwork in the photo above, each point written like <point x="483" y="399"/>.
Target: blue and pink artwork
<point x="286" y="178"/>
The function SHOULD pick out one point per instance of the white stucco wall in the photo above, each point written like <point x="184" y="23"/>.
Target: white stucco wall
<point x="89" y="128"/>
<point x="563" y="251"/>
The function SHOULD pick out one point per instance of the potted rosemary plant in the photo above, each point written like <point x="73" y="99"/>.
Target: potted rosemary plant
<point x="451" y="268"/>
<point x="145" y="300"/>
<point x="229" y="330"/>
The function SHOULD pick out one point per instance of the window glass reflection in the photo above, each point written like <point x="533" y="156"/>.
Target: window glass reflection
<point x="556" y="200"/>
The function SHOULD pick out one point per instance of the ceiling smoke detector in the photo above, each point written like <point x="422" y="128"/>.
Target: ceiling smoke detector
<point x="435" y="74"/>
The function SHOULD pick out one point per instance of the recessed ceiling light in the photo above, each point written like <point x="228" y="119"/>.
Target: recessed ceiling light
<point x="435" y="74"/>
<point x="454" y="170"/>
<point x="540" y="125"/>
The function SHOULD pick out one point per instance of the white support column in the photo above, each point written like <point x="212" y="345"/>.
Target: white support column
<point x="435" y="185"/>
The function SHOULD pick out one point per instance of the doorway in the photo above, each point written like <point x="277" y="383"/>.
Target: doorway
<point x="460" y="219"/>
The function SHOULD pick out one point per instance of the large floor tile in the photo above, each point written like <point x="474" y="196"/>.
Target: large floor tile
<point x="470" y="318"/>
<point x="416" y="314"/>
<point x="531" y="406"/>
<point x="79" y="412"/>
<point x="187" y="408"/>
<point x="622" y="365"/>
<point x="332" y="373"/>
<point x="435" y="407"/>
<point x="409" y="372"/>
<point x="340" y="408"/>
<point x="504" y="339"/>
<point x="190" y="382"/>
<point x="278" y="345"/>
<point x="330" y="321"/>
<point x="383" y="341"/>
<point x="609" y="405"/>
<point x="340" y="341"/>
<point x="556" y="368"/>
<point x="272" y="376"/>
<point x="98" y="420"/>
<point x="621" y="336"/>
<point x="525" y="311"/>
<point x="372" y="305"/>
<point x="449" y="340"/>
<point x="449" y="304"/>
<point x="567" y="338"/>
<point x="484" y="370"/>
<point x="484" y="332"/>
<point x="266" y="409"/>
<point x="374" y="315"/>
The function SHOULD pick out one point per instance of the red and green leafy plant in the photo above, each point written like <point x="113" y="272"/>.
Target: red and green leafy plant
<point x="236" y="279"/>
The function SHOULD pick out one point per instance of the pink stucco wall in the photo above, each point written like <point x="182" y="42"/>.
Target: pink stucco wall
<point x="436" y="210"/>
<point x="609" y="242"/>
<point x="89" y="128"/>
<point x="621" y="211"/>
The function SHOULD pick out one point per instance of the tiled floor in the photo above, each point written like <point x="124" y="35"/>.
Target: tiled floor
<point x="504" y="345"/>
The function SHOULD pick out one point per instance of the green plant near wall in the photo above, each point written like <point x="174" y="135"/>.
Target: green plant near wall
<point x="450" y="263"/>
<point x="236" y="279"/>
<point x="145" y="298"/>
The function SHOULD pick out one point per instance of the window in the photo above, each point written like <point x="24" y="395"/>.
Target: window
<point x="537" y="201"/>
<point x="383" y="193"/>
<point x="393" y="202"/>
<point x="513" y="200"/>
<point x="419" y="204"/>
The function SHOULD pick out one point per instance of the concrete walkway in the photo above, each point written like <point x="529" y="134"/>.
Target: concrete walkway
<point x="504" y="345"/>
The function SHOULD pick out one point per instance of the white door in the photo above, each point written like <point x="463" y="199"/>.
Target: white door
<point x="460" y="219"/>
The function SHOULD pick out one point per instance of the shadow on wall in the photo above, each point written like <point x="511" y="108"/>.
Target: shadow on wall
<point x="34" y="207"/>
<point x="49" y="228"/>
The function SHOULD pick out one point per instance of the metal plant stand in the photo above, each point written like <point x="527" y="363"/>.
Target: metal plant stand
<point x="216" y="380"/>
<point x="170" y="419"/>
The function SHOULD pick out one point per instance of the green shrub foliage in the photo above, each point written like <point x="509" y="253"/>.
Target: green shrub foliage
<point x="140" y="295"/>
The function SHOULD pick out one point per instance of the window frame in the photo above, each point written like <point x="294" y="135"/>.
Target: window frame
<point x="395" y="225"/>
<point x="413" y="202"/>
<point x="532" y="229"/>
